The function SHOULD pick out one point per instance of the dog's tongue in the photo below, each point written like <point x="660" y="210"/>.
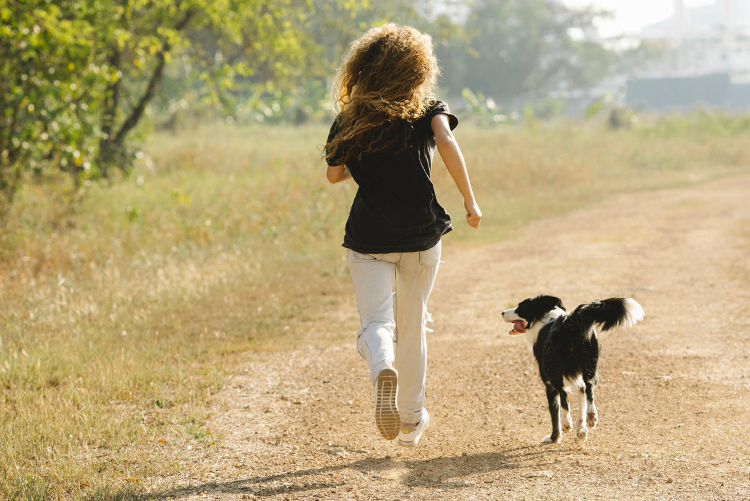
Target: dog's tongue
<point x="518" y="326"/>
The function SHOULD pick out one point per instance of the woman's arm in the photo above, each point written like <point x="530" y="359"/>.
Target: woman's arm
<point x="337" y="173"/>
<point x="454" y="162"/>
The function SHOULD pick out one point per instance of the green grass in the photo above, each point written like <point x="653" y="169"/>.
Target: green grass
<point x="122" y="314"/>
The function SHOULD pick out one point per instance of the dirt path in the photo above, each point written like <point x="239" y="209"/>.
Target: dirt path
<point x="673" y="400"/>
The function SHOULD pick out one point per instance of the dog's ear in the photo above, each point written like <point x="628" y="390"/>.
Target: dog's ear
<point x="551" y="302"/>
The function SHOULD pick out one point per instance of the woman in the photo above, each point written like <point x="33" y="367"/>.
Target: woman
<point x="384" y="137"/>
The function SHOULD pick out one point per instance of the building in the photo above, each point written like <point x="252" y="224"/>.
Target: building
<point x="706" y="59"/>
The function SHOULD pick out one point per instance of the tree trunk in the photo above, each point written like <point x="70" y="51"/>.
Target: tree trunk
<point x="111" y="145"/>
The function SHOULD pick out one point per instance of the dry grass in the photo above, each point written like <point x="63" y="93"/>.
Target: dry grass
<point x="120" y="317"/>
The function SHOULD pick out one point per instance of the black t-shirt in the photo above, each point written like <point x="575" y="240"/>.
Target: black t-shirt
<point x="395" y="208"/>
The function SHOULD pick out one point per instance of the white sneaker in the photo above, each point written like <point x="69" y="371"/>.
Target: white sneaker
<point x="387" y="418"/>
<point x="410" y="434"/>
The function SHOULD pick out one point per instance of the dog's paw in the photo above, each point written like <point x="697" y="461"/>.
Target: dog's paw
<point x="549" y="440"/>
<point x="567" y="425"/>
<point x="593" y="418"/>
<point x="582" y="435"/>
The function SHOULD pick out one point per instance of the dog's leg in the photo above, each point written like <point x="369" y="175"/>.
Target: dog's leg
<point x="567" y="421"/>
<point x="593" y="416"/>
<point x="553" y="399"/>
<point x="582" y="413"/>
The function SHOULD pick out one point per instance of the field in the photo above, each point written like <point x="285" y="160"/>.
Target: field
<point x="134" y="319"/>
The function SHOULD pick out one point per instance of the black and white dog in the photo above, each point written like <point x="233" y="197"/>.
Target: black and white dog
<point x="566" y="348"/>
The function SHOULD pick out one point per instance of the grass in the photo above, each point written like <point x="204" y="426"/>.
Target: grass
<point x="121" y="315"/>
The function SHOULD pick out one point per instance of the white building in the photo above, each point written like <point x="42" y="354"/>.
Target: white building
<point x="706" y="61"/>
<point x="703" y="40"/>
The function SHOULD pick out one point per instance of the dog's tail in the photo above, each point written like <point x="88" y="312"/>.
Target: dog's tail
<point x="607" y="314"/>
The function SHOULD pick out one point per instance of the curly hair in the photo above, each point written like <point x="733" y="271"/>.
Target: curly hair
<point x="385" y="82"/>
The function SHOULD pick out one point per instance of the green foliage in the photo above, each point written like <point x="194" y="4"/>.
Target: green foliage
<point x="517" y="50"/>
<point x="594" y="109"/>
<point x="77" y="78"/>
<point x="484" y="110"/>
<point x="549" y="108"/>
<point x="621" y="117"/>
<point x="48" y="85"/>
<point x="618" y="116"/>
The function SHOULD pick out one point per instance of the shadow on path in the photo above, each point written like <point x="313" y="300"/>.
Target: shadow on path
<point x="440" y="472"/>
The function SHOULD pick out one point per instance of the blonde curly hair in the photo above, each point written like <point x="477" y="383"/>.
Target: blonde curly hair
<point x="385" y="82"/>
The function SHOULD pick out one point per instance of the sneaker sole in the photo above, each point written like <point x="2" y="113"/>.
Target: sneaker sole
<point x="387" y="417"/>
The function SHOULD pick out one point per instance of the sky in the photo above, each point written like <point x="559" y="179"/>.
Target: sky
<point x="631" y="15"/>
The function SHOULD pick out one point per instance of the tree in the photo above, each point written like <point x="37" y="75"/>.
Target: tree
<point x="76" y="77"/>
<point x="47" y="89"/>
<point x="521" y="49"/>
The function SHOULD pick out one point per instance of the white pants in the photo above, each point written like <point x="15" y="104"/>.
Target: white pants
<point x="395" y="318"/>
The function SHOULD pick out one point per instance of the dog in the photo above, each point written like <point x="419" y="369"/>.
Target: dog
<point x="566" y="348"/>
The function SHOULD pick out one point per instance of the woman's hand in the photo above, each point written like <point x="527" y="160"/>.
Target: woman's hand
<point x="473" y="213"/>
